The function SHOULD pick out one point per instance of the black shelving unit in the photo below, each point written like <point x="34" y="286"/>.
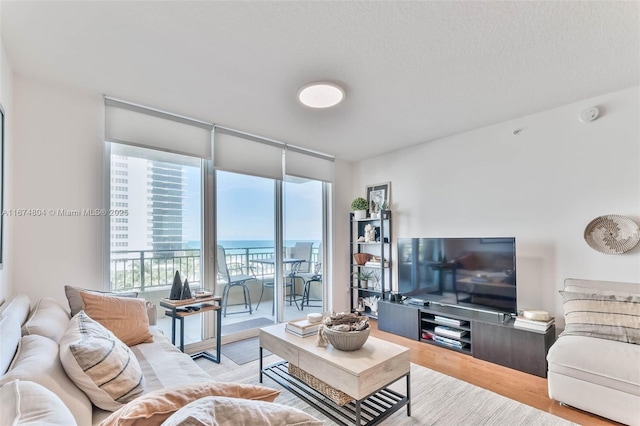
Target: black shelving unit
<point x="381" y="248"/>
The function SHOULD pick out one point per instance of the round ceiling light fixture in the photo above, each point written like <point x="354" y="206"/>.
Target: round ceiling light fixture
<point x="320" y="94"/>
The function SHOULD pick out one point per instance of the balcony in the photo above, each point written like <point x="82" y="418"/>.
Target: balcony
<point x="151" y="272"/>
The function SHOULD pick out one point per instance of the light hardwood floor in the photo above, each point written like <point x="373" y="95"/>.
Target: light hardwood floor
<point x="519" y="386"/>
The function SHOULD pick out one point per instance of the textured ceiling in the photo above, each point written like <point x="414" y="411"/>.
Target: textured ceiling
<point x="413" y="71"/>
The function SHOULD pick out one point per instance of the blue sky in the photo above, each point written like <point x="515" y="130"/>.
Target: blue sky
<point x="246" y="208"/>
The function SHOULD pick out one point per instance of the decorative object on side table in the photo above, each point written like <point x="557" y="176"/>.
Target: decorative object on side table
<point x="344" y="331"/>
<point x="359" y="206"/>
<point x="186" y="291"/>
<point x="612" y="234"/>
<point x="176" y="288"/>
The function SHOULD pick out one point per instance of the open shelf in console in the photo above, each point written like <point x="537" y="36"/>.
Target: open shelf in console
<point x="446" y="331"/>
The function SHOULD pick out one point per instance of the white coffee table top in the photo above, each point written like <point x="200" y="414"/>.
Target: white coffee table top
<point x="357" y="373"/>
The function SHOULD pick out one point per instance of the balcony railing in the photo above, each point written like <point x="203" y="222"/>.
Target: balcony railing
<point x="140" y="270"/>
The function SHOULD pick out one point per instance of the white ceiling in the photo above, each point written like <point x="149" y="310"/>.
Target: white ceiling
<point x="413" y="71"/>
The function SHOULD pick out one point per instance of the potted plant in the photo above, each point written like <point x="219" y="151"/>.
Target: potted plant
<point x="367" y="276"/>
<point x="359" y="207"/>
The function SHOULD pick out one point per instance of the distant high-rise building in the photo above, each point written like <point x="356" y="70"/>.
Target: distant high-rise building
<point x="153" y="193"/>
<point x="166" y="189"/>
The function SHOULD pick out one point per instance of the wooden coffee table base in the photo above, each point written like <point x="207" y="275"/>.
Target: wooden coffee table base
<point x="370" y="410"/>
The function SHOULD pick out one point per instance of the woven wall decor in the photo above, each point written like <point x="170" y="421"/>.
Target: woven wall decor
<point x="612" y="234"/>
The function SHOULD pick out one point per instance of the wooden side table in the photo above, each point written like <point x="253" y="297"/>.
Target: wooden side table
<point x="179" y="309"/>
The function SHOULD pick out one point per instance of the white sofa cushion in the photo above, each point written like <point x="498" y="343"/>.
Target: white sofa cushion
<point x="48" y="319"/>
<point x="10" y="332"/>
<point x="17" y="308"/>
<point x="605" y="362"/>
<point x="100" y="364"/>
<point x="36" y="361"/>
<point x="24" y="403"/>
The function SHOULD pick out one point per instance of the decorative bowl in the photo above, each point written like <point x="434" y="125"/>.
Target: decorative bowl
<point x="346" y="340"/>
<point x="362" y="258"/>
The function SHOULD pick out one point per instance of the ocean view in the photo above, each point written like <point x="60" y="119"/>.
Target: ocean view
<point x="236" y="244"/>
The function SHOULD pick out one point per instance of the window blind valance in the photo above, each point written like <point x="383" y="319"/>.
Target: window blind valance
<point x="131" y="124"/>
<point x="239" y="152"/>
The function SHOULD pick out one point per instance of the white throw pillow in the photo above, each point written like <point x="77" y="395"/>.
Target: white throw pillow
<point x="24" y="403"/>
<point x="100" y="364"/>
<point x="37" y="361"/>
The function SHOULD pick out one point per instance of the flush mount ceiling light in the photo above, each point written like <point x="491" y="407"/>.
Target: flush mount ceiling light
<point x="320" y="94"/>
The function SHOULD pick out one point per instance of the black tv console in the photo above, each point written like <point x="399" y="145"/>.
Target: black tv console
<point x="483" y="335"/>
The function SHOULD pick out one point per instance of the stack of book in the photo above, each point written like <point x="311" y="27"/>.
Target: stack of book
<point x="522" y="322"/>
<point x="449" y="342"/>
<point x="302" y="327"/>
<point x="453" y="333"/>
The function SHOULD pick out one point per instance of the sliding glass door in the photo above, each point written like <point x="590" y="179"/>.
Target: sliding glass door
<point x="245" y="249"/>
<point x="303" y="239"/>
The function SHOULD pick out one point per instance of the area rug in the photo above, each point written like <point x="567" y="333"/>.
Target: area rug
<point x="436" y="399"/>
<point x="245" y="325"/>
<point x="243" y="351"/>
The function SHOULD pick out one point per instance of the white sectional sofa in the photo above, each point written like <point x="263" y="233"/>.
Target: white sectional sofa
<point x="38" y="387"/>
<point x="595" y="363"/>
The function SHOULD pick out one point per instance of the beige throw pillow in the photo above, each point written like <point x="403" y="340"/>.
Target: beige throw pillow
<point x="217" y="410"/>
<point x="155" y="407"/>
<point x="100" y="364"/>
<point x="125" y="317"/>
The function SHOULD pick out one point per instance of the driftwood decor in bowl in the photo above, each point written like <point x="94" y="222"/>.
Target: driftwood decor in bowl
<point x="345" y="332"/>
<point x="362" y="258"/>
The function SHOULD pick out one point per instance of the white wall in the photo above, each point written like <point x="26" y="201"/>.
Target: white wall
<point x="58" y="165"/>
<point x="542" y="186"/>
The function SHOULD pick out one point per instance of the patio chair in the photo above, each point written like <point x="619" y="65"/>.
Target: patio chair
<point x="230" y="281"/>
<point x="315" y="276"/>
<point x="300" y="251"/>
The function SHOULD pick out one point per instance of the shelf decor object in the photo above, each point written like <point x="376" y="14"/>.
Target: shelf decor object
<point x="612" y="234"/>
<point x="362" y="258"/>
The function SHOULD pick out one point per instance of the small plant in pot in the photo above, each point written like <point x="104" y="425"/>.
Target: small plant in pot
<point x="366" y="276"/>
<point x="359" y="207"/>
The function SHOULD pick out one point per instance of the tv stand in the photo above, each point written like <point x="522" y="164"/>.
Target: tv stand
<point x="481" y="334"/>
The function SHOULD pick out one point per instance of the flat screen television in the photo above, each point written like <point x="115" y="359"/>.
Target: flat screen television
<point x="472" y="273"/>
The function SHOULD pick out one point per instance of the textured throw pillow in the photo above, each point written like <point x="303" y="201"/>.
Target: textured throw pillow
<point x="100" y="364"/>
<point x="48" y="319"/>
<point x="216" y="410"/>
<point x="37" y="361"/>
<point x="75" y="300"/>
<point x="24" y="403"/>
<point x="155" y="407"/>
<point x="125" y="317"/>
<point x="612" y="317"/>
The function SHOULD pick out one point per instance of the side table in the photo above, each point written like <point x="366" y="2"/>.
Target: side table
<point x="179" y="309"/>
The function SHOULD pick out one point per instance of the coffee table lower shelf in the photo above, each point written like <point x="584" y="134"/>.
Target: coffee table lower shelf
<point x="372" y="409"/>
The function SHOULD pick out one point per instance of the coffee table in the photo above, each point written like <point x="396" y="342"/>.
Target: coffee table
<point x="364" y="375"/>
